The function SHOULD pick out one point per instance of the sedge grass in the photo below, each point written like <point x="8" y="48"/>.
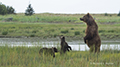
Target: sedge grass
<point x="53" y="30"/>
<point x="29" y="57"/>
<point x="59" y="18"/>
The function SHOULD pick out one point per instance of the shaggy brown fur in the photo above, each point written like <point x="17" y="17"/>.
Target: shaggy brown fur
<point x="64" y="45"/>
<point x="92" y="37"/>
<point x="48" y="51"/>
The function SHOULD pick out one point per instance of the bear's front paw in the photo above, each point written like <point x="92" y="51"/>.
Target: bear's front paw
<point x="84" y="40"/>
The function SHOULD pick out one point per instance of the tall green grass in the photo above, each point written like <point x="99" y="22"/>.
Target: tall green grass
<point x="45" y="17"/>
<point x="52" y="25"/>
<point x="59" y="18"/>
<point x="45" y="30"/>
<point x="29" y="57"/>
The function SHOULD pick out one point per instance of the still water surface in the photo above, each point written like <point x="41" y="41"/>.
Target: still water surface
<point x="75" y="45"/>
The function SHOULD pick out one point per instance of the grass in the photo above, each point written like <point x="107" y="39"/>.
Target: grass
<point x="29" y="57"/>
<point x="45" y="17"/>
<point x="45" y="30"/>
<point x="50" y="25"/>
<point x="59" y="18"/>
<point x="53" y="25"/>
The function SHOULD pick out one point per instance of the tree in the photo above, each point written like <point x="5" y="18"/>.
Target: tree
<point x="3" y="9"/>
<point x="106" y="14"/>
<point x="10" y="10"/>
<point x="119" y="13"/>
<point x="6" y="10"/>
<point x="29" y="11"/>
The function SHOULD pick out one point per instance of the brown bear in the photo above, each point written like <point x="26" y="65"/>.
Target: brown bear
<point x="92" y="38"/>
<point x="64" y="46"/>
<point x="48" y="51"/>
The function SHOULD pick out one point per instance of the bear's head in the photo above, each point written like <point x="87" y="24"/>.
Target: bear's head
<point x="62" y="38"/>
<point x="88" y="19"/>
<point x="55" y="49"/>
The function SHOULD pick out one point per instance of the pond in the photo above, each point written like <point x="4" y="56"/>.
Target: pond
<point x="75" y="44"/>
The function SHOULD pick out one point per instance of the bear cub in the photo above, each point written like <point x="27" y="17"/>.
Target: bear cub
<point x="48" y="51"/>
<point x="64" y="46"/>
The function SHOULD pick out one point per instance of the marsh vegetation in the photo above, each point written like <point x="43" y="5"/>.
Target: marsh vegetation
<point x="29" y="57"/>
<point x="49" y="27"/>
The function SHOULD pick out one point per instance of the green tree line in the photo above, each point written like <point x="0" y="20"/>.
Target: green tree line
<point x="6" y="9"/>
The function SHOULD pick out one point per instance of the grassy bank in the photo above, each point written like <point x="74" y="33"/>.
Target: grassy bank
<point x="49" y="25"/>
<point x="29" y="57"/>
<point x="52" y="30"/>
<point x="52" y="25"/>
<point x="59" y="18"/>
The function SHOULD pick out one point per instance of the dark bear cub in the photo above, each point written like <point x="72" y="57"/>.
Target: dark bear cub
<point x="64" y="46"/>
<point x="92" y="38"/>
<point x="48" y="51"/>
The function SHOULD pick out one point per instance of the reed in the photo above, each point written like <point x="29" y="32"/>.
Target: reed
<point x="29" y="57"/>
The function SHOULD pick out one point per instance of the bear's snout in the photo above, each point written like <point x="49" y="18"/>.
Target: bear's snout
<point x="81" y="19"/>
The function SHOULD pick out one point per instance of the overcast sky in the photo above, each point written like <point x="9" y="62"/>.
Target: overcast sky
<point x="65" y="6"/>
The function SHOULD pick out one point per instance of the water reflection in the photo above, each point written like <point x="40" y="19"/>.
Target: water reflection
<point x="75" y="45"/>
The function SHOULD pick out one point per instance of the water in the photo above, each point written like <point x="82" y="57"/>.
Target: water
<point x="75" y="45"/>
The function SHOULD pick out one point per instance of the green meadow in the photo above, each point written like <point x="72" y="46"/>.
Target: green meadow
<point x="59" y="18"/>
<point x="48" y="25"/>
<point x="53" y="30"/>
<point x="52" y="25"/>
<point x="29" y="57"/>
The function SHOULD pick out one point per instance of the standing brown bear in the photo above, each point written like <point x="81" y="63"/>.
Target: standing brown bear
<point x="92" y="37"/>
<point x="64" y="46"/>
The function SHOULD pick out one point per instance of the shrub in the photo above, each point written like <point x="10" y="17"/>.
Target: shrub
<point x="83" y="31"/>
<point x="106" y="14"/>
<point x="111" y="31"/>
<point x="4" y="33"/>
<point x="77" y="33"/>
<point x="64" y="31"/>
<point x="72" y="28"/>
<point x="100" y="31"/>
<point x="34" y="31"/>
<point x="55" y="35"/>
<point x="32" y="35"/>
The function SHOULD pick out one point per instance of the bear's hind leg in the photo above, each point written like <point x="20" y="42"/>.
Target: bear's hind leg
<point x="97" y="49"/>
<point x="91" y="48"/>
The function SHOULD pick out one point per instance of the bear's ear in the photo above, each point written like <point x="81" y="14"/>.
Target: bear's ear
<point x="89" y="20"/>
<point x="88" y="14"/>
<point x="61" y="36"/>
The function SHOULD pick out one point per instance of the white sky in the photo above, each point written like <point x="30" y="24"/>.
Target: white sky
<point x="65" y="6"/>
